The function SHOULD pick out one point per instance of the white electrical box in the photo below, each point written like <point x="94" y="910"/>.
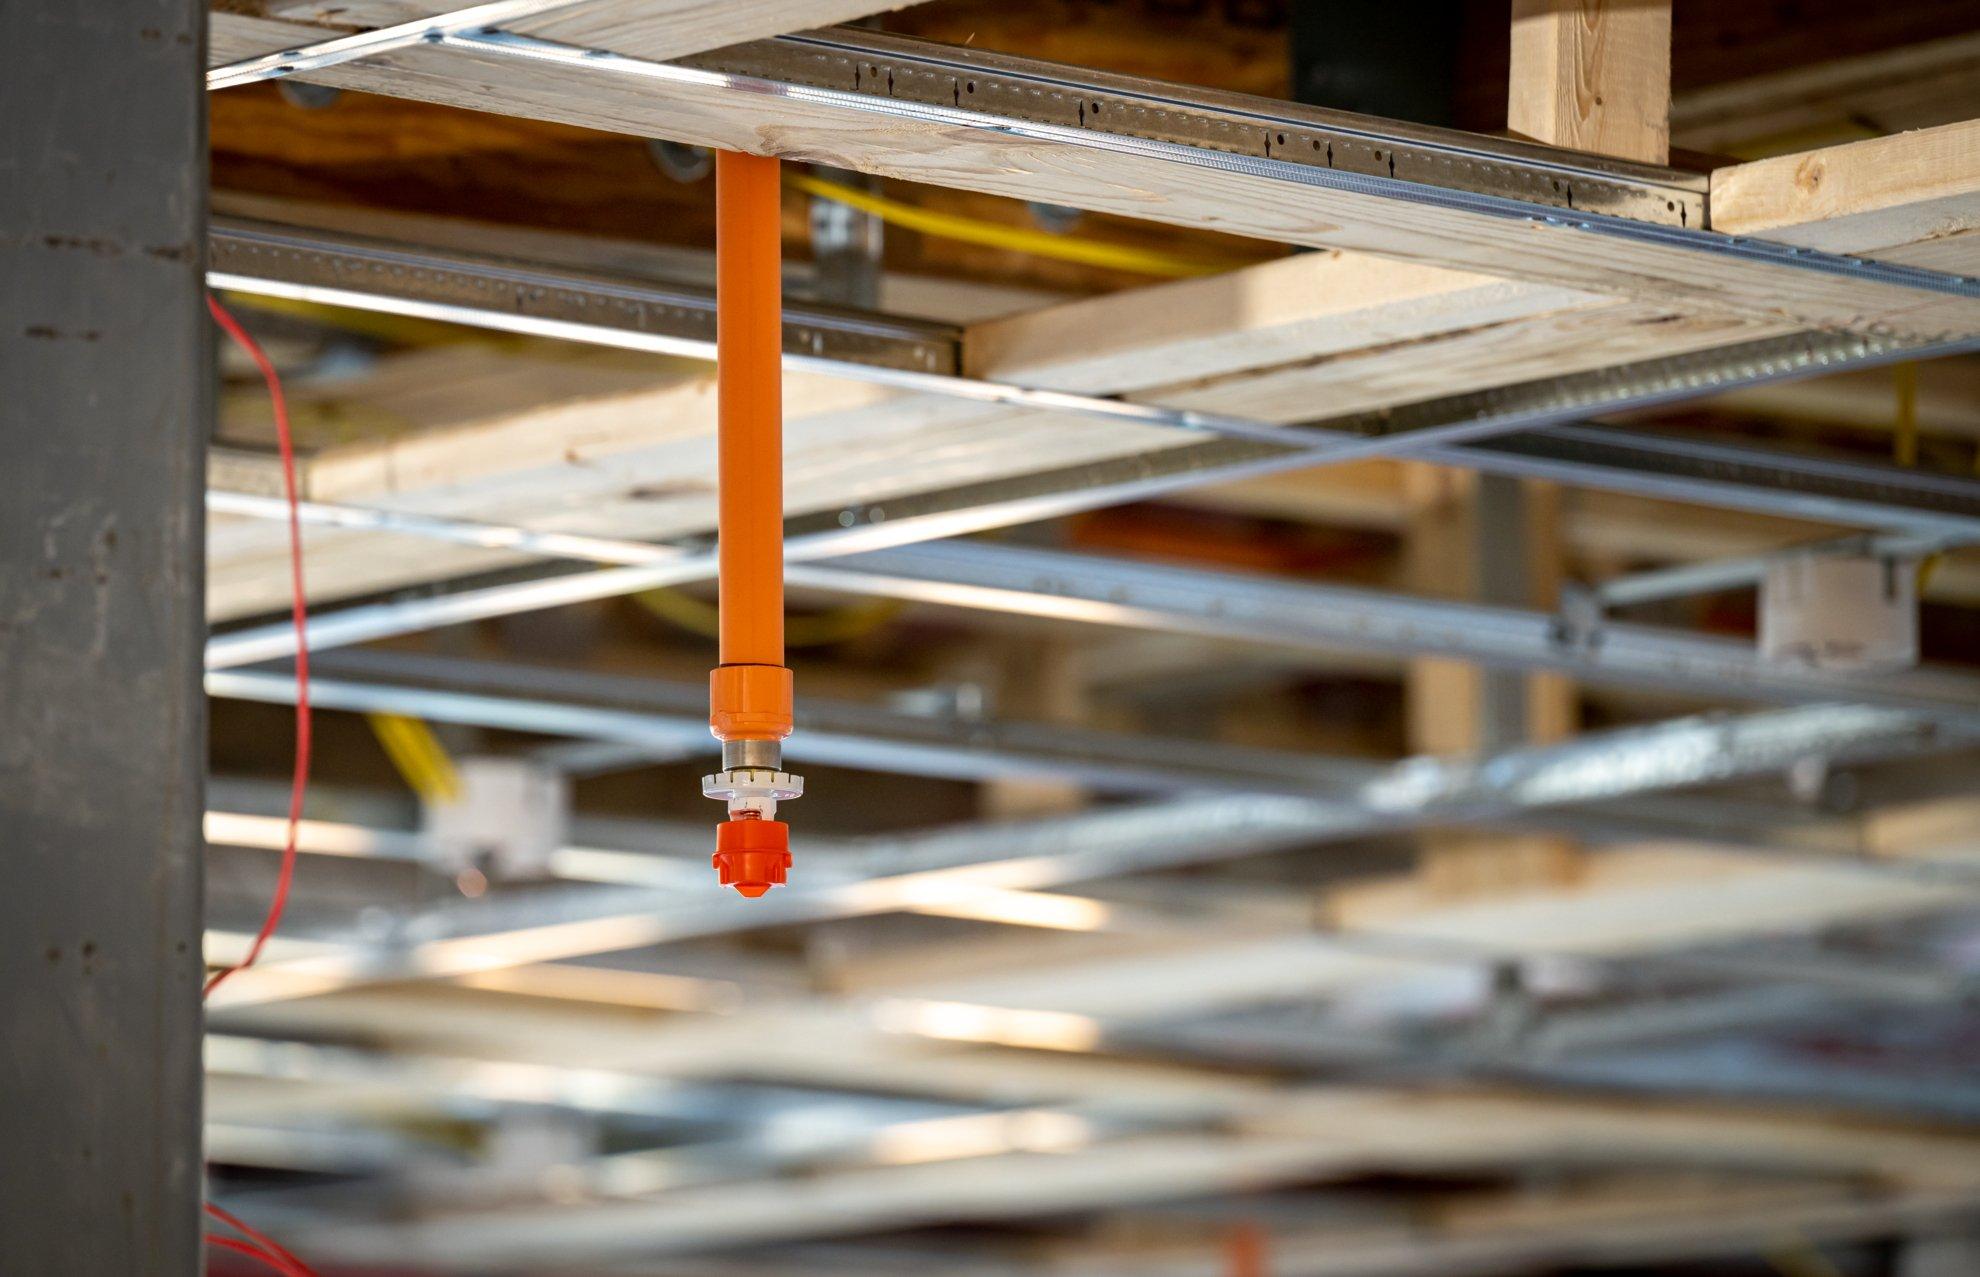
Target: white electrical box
<point x="1840" y="612"/>
<point x="509" y="817"/>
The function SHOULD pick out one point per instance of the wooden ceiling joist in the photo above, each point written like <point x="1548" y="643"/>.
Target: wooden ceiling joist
<point x="1593" y="78"/>
<point x="655" y="29"/>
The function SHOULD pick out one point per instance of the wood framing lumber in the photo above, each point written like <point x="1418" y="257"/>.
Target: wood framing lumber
<point x="1092" y="344"/>
<point x="1550" y="343"/>
<point x="537" y="1029"/>
<point x="1290" y="311"/>
<point x="1918" y="188"/>
<point x="1134" y="184"/>
<point x="1593" y="75"/>
<point x="560" y="437"/>
<point x="1948" y="402"/>
<point x="1425" y="335"/>
<point x="1635" y="901"/>
<point x="655" y="29"/>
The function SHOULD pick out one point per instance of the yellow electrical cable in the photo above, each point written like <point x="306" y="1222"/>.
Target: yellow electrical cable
<point x="698" y="616"/>
<point x="1904" y="438"/>
<point x="972" y="230"/>
<point x="419" y="756"/>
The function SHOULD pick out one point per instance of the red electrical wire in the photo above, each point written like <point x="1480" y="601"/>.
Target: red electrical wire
<point x="259" y="1238"/>
<point x="267" y="1250"/>
<point x="255" y="1252"/>
<point x="299" y="612"/>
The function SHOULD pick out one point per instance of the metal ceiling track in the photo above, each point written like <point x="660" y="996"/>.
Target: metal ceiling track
<point x="267" y="259"/>
<point x="364" y="44"/>
<point x="910" y="76"/>
<point x="1253" y="608"/>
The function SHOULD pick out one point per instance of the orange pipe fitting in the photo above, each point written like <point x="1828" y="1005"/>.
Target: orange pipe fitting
<point x="749" y="702"/>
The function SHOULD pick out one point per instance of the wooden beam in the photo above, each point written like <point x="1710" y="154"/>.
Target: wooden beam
<point x="1919" y="188"/>
<point x="1593" y="75"/>
<point x="1422" y="334"/>
<point x="655" y="29"/>
<point x="1288" y="312"/>
<point x="558" y="436"/>
<point x="1866" y="205"/>
<point x="1865" y="402"/>
<point x="1135" y="185"/>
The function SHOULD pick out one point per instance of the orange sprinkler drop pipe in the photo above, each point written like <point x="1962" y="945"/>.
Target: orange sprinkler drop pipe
<point x="750" y="692"/>
<point x="749" y="344"/>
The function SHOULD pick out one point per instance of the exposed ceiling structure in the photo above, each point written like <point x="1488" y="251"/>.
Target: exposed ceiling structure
<point x="1293" y="777"/>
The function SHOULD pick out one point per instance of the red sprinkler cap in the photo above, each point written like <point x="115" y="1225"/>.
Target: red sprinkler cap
<point x="751" y="855"/>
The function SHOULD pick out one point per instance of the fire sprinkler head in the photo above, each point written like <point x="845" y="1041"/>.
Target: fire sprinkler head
<point x="753" y="847"/>
<point x="752" y="854"/>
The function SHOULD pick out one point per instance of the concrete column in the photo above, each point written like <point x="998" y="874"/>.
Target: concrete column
<point x="105" y="408"/>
